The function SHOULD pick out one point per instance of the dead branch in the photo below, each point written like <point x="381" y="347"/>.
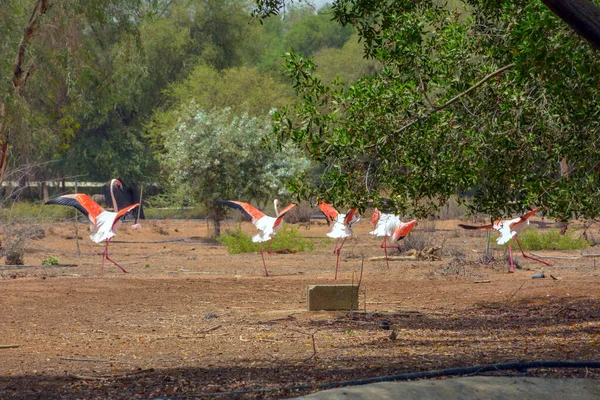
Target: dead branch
<point x="9" y="346"/>
<point x="560" y="257"/>
<point x="214" y="328"/>
<point x="103" y="377"/>
<point x="515" y="292"/>
<point x="98" y="360"/>
<point x="312" y="335"/>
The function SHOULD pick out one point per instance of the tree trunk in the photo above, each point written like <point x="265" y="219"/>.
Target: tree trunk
<point x="217" y="224"/>
<point x="3" y="142"/>
<point x="581" y="15"/>
<point x="19" y="78"/>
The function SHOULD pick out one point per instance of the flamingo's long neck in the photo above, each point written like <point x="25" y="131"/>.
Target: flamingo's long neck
<point x="275" y="203"/>
<point x="112" y="195"/>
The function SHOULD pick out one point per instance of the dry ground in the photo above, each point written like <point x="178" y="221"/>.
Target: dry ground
<point x="189" y="319"/>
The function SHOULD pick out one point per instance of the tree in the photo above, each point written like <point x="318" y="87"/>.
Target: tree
<point x="477" y="97"/>
<point x="213" y="156"/>
<point x="44" y="36"/>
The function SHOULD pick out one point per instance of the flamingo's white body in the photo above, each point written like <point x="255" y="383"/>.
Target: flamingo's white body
<point x="104" y="224"/>
<point x="510" y="229"/>
<point x="341" y="227"/>
<point x="390" y="226"/>
<point x="267" y="226"/>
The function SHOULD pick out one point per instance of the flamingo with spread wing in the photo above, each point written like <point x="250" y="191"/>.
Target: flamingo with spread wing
<point x="509" y="229"/>
<point x="390" y="226"/>
<point x="268" y="226"/>
<point x="104" y="223"/>
<point x="341" y="227"/>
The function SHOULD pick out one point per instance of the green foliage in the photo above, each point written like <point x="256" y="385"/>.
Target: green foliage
<point x="532" y="239"/>
<point x="26" y="211"/>
<point x="286" y="238"/>
<point x="473" y="97"/>
<point x="51" y="261"/>
<point x="213" y="156"/>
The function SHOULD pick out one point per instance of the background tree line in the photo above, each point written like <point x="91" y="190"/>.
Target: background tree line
<point x="107" y="81"/>
<point x="494" y="99"/>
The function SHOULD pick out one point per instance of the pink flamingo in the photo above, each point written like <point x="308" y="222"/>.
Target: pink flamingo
<point x="341" y="227"/>
<point x="389" y="225"/>
<point x="508" y="230"/>
<point x="104" y="223"/>
<point x="267" y="225"/>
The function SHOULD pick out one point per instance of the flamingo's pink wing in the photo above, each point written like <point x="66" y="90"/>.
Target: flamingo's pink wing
<point x="375" y="217"/>
<point x="80" y="201"/>
<point x="350" y="216"/>
<point x="282" y="213"/>
<point x="250" y="211"/>
<point x="330" y="212"/>
<point x="124" y="211"/>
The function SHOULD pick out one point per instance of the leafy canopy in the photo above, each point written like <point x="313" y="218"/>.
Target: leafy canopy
<point x="494" y="100"/>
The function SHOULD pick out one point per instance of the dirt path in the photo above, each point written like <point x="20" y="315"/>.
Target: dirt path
<point x="189" y="319"/>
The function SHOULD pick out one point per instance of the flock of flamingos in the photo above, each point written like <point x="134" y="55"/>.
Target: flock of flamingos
<point x="104" y="224"/>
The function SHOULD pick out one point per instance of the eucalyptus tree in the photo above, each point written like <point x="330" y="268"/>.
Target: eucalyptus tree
<point x="494" y="99"/>
<point x="44" y="59"/>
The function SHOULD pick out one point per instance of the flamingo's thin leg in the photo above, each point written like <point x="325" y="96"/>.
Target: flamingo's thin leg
<point x="532" y="258"/>
<point x="103" y="257"/>
<point x="384" y="246"/>
<point x="263" y="256"/>
<point x="109" y="259"/>
<point x="337" y="261"/>
<point x="510" y="258"/>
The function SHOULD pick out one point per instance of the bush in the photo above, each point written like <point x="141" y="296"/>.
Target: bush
<point x="51" y="261"/>
<point x="532" y="239"/>
<point x="288" y="237"/>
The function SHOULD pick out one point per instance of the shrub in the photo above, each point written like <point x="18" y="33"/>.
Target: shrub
<point x="51" y="261"/>
<point x="532" y="239"/>
<point x="288" y="237"/>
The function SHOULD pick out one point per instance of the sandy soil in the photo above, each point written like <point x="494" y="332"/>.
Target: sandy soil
<point x="188" y="319"/>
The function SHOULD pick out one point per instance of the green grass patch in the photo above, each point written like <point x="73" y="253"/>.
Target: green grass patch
<point x="288" y="237"/>
<point x="532" y="239"/>
<point x="39" y="212"/>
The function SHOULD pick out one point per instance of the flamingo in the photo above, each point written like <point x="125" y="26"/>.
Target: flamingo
<point x="104" y="223"/>
<point x="267" y="225"/>
<point x="389" y="225"/>
<point x="341" y="227"/>
<point x="508" y="230"/>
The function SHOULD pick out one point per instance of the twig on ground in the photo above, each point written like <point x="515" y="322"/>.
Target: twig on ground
<point x="314" y="346"/>
<point x="94" y="360"/>
<point x="561" y="257"/>
<point x="103" y="377"/>
<point x="211" y="329"/>
<point x="515" y="292"/>
<point x="9" y="346"/>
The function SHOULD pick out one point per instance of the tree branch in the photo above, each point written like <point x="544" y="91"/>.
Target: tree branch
<point x="20" y="76"/>
<point x="455" y="98"/>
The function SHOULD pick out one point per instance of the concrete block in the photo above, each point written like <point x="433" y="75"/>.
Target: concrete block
<point x="332" y="297"/>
